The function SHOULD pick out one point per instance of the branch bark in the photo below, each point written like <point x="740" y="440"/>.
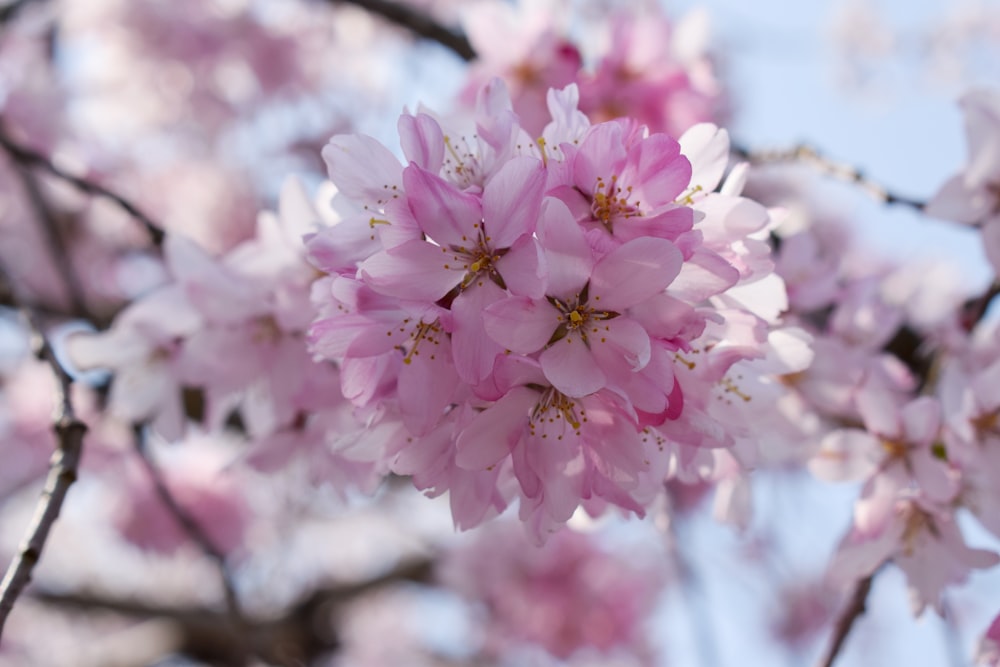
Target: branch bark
<point x="418" y="23"/>
<point x="854" y="609"/>
<point x="192" y="528"/>
<point x="808" y="155"/>
<point x="62" y="473"/>
<point x="28" y="157"/>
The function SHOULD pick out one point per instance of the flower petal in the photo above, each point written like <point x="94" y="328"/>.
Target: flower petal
<point x="634" y="272"/>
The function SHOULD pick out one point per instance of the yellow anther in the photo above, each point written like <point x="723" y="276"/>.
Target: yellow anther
<point x="541" y="146"/>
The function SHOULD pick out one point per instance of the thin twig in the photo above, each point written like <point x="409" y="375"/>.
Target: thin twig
<point x="854" y="609"/>
<point x="191" y="527"/>
<point x="810" y="156"/>
<point x="29" y="157"/>
<point x="62" y="473"/>
<point x="418" y="23"/>
<point x="974" y="310"/>
<point x="57" y="246"/>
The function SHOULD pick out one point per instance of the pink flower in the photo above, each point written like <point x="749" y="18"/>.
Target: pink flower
<point x="973" y="195"/>
<point x="988" y="654"/>
<point x="921" y="538"/>
<point x="565" y="596"/>
<point x="582" y="323"/>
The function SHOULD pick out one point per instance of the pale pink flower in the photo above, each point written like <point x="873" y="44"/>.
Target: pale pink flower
<point x="565" y="596"/>
<point x="988" y="653"/>
<point x="921" y="538"/>
<point x="973" y="195"/>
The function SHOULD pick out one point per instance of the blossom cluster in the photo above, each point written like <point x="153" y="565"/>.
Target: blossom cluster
<point x="562" y="319"/>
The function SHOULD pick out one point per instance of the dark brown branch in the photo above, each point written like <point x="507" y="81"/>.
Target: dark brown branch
<point x="28" y="157"/>
<point x="297" y="636"/>
<point x="975" y="309"/>
<point x="62" y="473"/>
<point x="191" y="527"/>
<point x="418" y="23"/>
<point x="854" y="609"/>
<point x="808" y="155"/>
<point x="9" y="11"/>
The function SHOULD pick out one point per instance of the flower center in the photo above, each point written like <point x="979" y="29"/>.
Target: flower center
<point x="610" y="203"/>
<point x="576" y="316"/>
<point x="555" y="411"/>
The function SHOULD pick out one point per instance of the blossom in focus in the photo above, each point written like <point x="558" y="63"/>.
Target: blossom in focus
<point x="526" y="309"/>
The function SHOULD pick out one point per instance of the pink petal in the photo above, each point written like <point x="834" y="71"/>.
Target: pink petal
<point x="474" y="351"/>
<point x="571" y="368"/>
<point x="921" y="420"/>
<point x="521" y="324"/>
<point x="845" y="455"/>
<point x="426" y="386"/>
<point x="568" y="257"/>
<point x="523" y="268"/>
<point x="954" y="201"/>
<point x="656" y="171"/>
<point x="362" y="168"/>
<point x="933" y="476"/>
<point x="704" y="274"/>
<point x="414" y="270"/>
<point x="493" y="433"/>
<point x="634" y="272"/>
<point x="422" y="141"/>
<point x="982" y="129"/>
<point x="445" y="213"/>
<point x="707" y="147"/>
<point x="511" y="200"/>
<point x="620" y="346"/>
<point x="601" y="154"/>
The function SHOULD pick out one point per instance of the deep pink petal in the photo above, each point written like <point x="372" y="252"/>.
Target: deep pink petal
<point x="634" y="272"/>
<point x="511" y="200"/>
<point x="521" y="324"/>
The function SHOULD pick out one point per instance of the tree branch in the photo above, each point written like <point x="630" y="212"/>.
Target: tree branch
<point x="975" y="309"/>
<point x="418" y="23"/>
<point x="298" y="636"/>
<point x="28" y="157"/>
<point x="57" y="247"/>
<point x="810" y="156"/>
<point x="10" y="10"/>
<point x="62" y="473"/>
<point x="854" y="609"/>
<point x="191" y="527"/>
